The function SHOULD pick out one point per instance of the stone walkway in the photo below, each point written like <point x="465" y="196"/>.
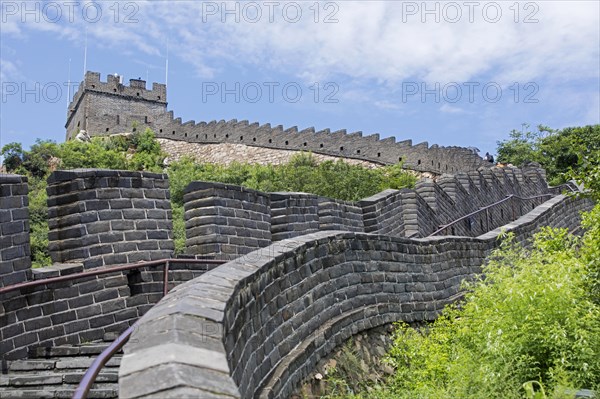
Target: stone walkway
<point x="56" y="372"/>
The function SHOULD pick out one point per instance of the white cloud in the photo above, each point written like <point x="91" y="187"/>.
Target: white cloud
<point x="375" y="41"/>
<point x="449" y="109"/>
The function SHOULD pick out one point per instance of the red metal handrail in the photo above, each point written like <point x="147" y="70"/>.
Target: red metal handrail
<point x="485" y="208"/>
<point x="106" y="270"/>
<point x="90" y="375"/>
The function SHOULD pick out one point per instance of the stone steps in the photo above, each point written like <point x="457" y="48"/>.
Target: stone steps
<point x="55" y="372"/>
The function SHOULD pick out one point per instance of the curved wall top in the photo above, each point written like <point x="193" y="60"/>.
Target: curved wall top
<point x="256" y="326"/>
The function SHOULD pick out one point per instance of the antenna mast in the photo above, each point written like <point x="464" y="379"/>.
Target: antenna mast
<point x="85" y="54"/>
<point x="167" y="63"/>
<point x="69" y="86"/>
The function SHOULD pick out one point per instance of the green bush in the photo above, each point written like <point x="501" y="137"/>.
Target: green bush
<point x="337" y="179"/>
<point x="529" y="317"/>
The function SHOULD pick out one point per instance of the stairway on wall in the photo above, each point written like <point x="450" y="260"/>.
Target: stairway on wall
<point x="55" y="372"/>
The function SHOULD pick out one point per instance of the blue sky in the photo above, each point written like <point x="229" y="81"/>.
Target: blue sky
<point x="450" y="73"/>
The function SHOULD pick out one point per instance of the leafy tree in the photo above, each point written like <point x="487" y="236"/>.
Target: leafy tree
<point x="94" y="154"/>
<point x="37" y="159"/>
<point x="13" y="156"/>
<point x="521" y="148"/>
<point x="563" y="153"/>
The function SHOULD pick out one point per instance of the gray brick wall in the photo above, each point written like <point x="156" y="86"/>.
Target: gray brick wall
<point x="15" y="260"/>
<point x="110" y="107"/>
<point x="265" y="319"/>
<point x="107" y="217"/>
<point x="221" y="220"/>
<point x="340" y="215"/>
<point x="293" y="214"/>
<point x="225" y="220"/>
<point x="83" y="310"/>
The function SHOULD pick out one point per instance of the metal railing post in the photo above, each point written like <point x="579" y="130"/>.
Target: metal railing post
<point x="166" y="278"/>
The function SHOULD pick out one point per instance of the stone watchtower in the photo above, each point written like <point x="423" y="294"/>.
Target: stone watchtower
<point x="110" y="107"/>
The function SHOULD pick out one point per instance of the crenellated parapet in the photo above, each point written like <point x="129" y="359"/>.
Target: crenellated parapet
<point x="230" y="221"/>
<point x="110" y="107"/>
<point x="419" y="157"/>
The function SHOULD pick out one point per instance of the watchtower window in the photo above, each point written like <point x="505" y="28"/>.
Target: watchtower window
<point x="286" y="142"/>
<point x="78" y="123"/>
<point x="419" y="162"/>
<point x="196" y="136"/>
<point x="254" y="139"/>
<point x="215" y="135"/>
<point x="305" y="144"/>
<point x="93" y="86"/>
<point x="158" y="97"/>
<point x="173" y="132"/>
<point x="321" y="145"/>
<point x="226" y="136"/>
<point x="241" y="138"/>
<point x="137" y="94"/>
<point x="160" y="130"/>
<point x="378" y="154"/>
<point x="270" y="141"/>
<point x="400" y="159"/>
<point x="115" y="90"/>
<point x="133" y="129"/>
<point x="118" y="119"/>
<point x="145" y="119"/>
<point x="341" y="148"/>
<point x="358" y="151"/>
<point x="185" y="134"/>
<point x="205" y="136"/>
<point x="107" y="129"/>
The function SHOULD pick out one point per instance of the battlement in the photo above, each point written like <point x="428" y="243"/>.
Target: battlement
<point x="135" y="91"/>
<point x="110" y="107"/>
<point x="112" y="101"/>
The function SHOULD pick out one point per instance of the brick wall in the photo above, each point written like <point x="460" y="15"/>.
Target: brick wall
<point x="15" y="254"/>
<point x="106" y="217"/>
<point x="111" y="107"/>
<point x="222" y="221"/>
<point x="265" y="319"/>
<point x="225" y="220"/>
<point x="293" y="214"/>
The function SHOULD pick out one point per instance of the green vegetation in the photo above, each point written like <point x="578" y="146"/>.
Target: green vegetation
<point x="141" y="151"/>
<point x="338" y="179"/>
<point x="530" y="324"/>
<point x="529" y="321"/>
<point x="565" y="153"/>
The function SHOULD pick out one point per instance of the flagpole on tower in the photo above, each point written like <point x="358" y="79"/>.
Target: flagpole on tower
<point x="85" y="54"/>
<point x="69" y="86"/>
<point x="167" y="63"/>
